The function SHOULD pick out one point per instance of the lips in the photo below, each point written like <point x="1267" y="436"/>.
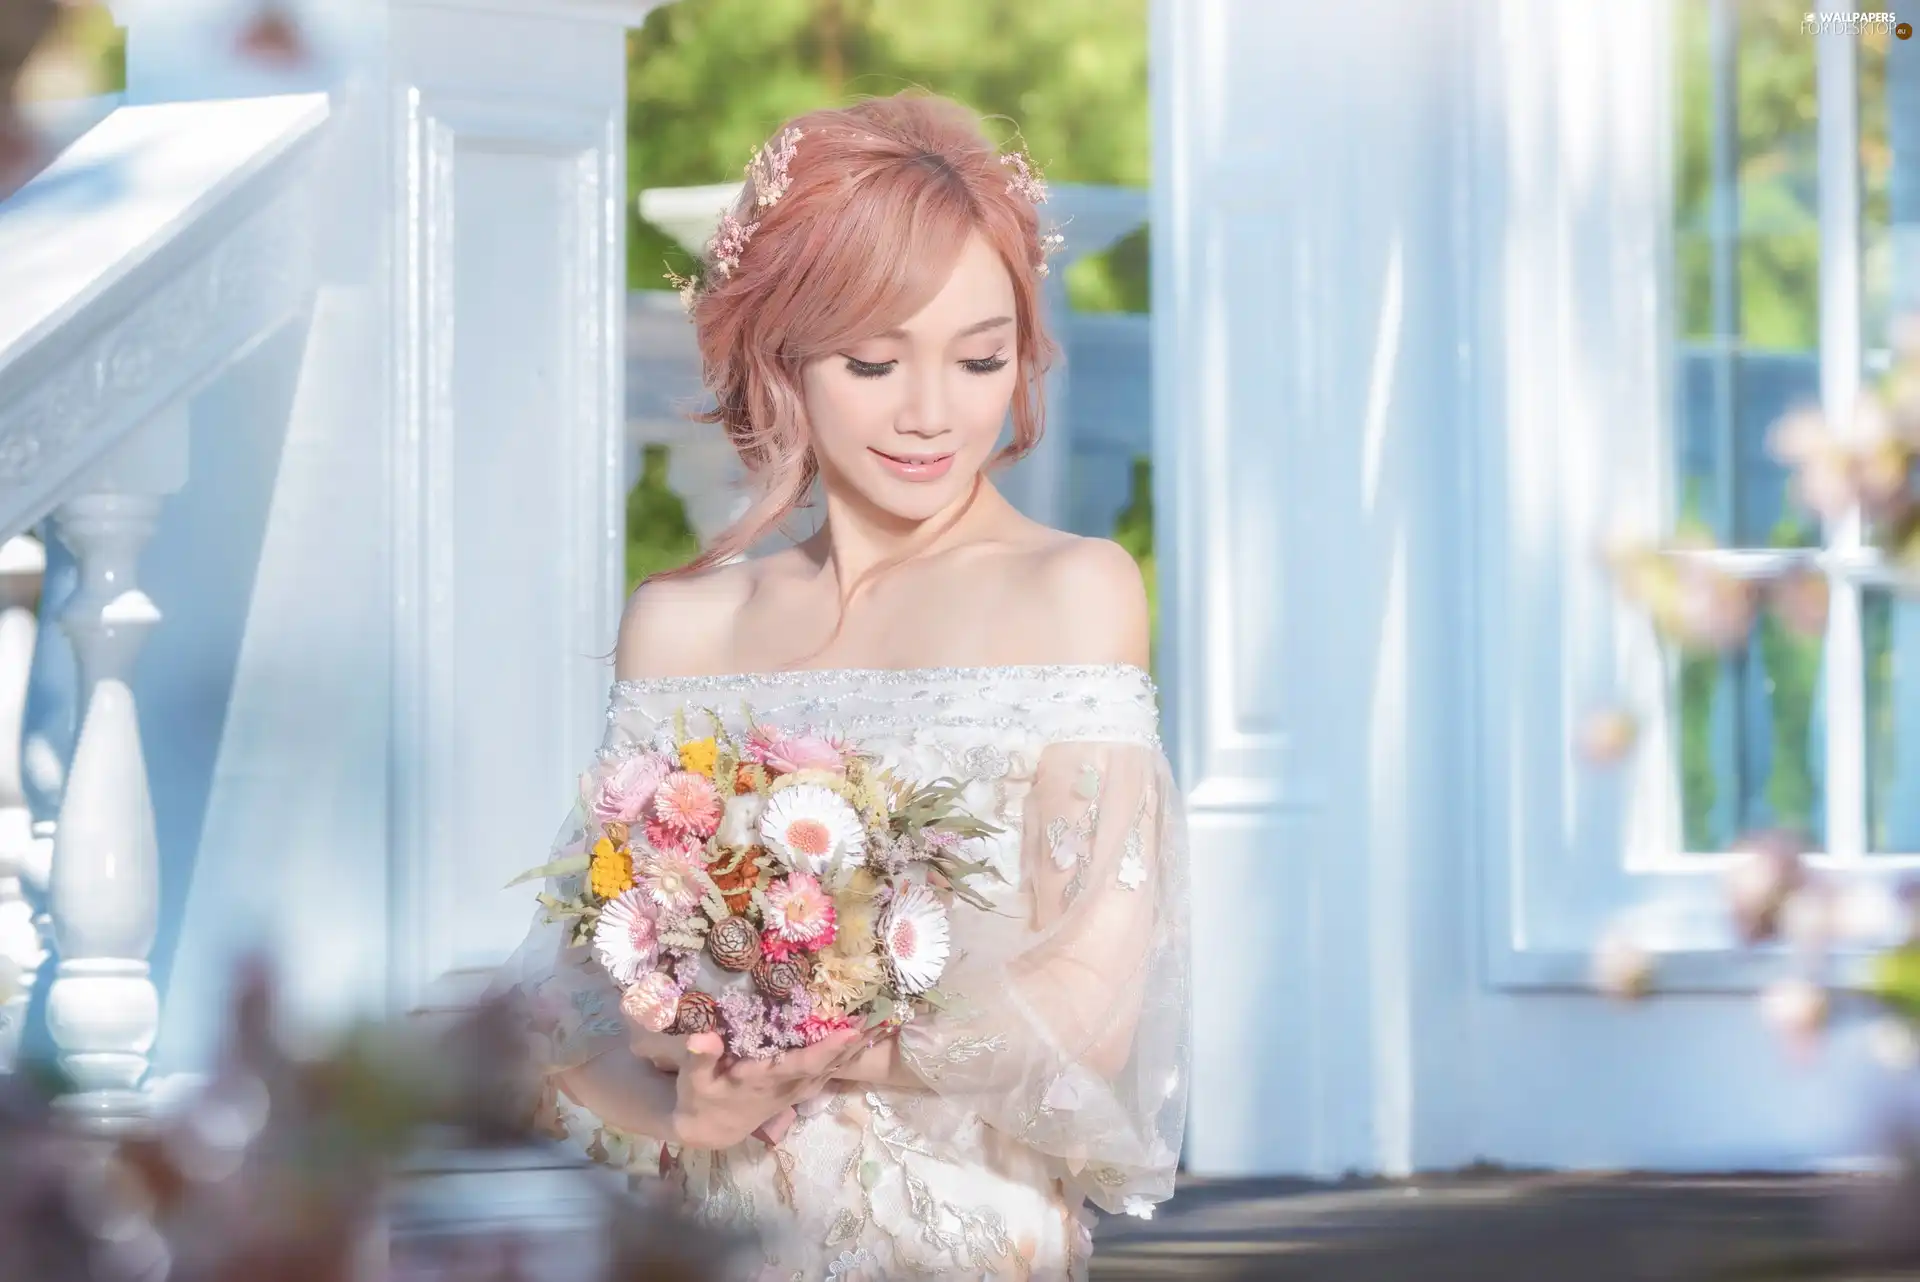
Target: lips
<point x="915" y="467"/>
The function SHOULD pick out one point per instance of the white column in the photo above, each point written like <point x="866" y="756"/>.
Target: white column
<point x="103" y="1009"/>
<point x="506" y="198"/>
<point x="1303" y="358"/>
<point x="23" y="563"/>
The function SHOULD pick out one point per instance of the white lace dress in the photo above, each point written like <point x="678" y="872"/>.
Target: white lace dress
<point x="1064" y="1079"/>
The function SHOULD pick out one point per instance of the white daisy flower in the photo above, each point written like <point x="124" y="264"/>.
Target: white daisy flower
<point x="810" y="828"/>
<point x="915" y="934"/>
<point x="625" y="939"/>
<point x="1138" y="1207"/>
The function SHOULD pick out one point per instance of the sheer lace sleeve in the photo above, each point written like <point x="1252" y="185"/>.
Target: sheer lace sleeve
<point x="1068" y="1029"/>
<point x="573" y="1004"/>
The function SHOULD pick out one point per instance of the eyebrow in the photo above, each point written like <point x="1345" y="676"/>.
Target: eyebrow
<point x="978" y="327"/>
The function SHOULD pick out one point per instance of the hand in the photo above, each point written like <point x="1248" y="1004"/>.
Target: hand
<point x="719" y="1103"/>
<point x="665" y="1051"/>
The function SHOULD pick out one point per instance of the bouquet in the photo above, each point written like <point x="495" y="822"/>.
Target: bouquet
<point x="775" y="888"/>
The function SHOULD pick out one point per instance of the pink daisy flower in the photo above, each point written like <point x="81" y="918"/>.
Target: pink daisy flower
<point x="625" y="940"/>
<point x="663" y="838"/>
<point x="818" y="1028"/>
<point x="674" y="879"/>
<point x="799" y="911"/>
<point x="688" y="803"/>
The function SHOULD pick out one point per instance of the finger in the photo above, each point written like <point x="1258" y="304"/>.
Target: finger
<point x="706" y="1045"/>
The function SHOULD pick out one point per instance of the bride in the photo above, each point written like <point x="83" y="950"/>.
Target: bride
<point x="870" y="315"/>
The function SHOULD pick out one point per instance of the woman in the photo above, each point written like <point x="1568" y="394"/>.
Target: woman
<point x="870" y="315"/>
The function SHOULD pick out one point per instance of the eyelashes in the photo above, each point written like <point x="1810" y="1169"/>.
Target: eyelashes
<point x="880" y="369"/>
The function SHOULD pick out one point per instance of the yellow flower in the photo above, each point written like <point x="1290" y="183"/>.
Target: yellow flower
<point x="699" y="756"/>
<point x="611" y="871"/>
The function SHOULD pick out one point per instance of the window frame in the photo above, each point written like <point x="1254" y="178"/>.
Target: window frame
<point x="1569" y="220"/>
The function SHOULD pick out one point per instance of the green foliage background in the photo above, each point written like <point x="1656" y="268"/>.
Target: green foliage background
<point x="709" y="80"/>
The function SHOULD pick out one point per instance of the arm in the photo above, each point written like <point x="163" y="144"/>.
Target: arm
<point x="625" y="1092"/>
<point x="1068" y="1027"/>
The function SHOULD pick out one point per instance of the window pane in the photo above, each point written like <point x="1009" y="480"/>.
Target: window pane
<point x="1889" y="101"/>
<point x="1892" y="626"/>
<point x="1751" y="751"/>
<point x="1889" y="175"/>
<point x="1747" y="255"/>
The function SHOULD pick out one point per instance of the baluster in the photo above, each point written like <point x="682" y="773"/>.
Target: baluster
<point x="23" y="563"/>
<point x="103" y="1009"/>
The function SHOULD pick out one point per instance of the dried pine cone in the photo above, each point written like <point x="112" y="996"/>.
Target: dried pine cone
<point x="698" y="1013"/>
<point x="734" y="943"/>
<point x="779" y="979"/>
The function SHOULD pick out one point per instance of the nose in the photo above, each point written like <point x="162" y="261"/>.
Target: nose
<point x="924" y="413"/>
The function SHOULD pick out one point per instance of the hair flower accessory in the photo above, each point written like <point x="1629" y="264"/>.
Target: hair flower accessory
<point x="1027" y="183"/>
<point x="1026" y="180"/>
<point x="768" y="168"/>
<point x="767" y="172"/>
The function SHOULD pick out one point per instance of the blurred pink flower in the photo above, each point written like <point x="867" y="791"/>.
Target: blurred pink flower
<point x="627" y="791"/>
<point x="1797" y="1009"/>
<point x="1799" y="600"/>
<point x="1607" y="736"/>
<point x="1622" y="967"/>
<point x="785" y="754"/>
<point x="272" y="36"/>
<point x="1766" y="869"/>
<point x="1712" y="610"/>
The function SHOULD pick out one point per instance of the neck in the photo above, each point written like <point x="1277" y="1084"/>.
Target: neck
<point x="856" y="539"/>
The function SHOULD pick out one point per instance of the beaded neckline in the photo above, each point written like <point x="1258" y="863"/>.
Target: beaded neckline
<point x="886" y="676"/>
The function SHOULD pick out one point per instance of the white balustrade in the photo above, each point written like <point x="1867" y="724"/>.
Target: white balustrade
<point x="103" y="1010"/>
<point x="23" y="563"/>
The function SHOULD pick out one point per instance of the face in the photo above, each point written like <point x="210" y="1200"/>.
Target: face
<point x="905" y="420"/>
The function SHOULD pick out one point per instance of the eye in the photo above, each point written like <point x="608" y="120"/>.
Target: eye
<point x="869" y="369"/>
<point x="991" y="365"/>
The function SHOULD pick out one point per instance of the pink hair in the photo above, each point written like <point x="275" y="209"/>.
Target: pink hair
<point x="883" y="197"/>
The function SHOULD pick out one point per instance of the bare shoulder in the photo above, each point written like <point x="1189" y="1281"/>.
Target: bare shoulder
<point x="1095" y="601"/>
<point x="672" y="627"/>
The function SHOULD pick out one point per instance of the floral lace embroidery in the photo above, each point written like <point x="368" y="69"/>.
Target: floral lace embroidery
<point x="981" y="1239"/>
<point x="1133" y="861"/>
<point x="850" y="1261"/>
<point x="1077" y="854"/>
<point x="724" y="1203"/>
<point x="783" y="1164"/>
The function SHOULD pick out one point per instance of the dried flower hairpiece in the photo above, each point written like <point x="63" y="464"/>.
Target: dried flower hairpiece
<point x="1026" y="182"/>
<point x="767" y="172"/>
